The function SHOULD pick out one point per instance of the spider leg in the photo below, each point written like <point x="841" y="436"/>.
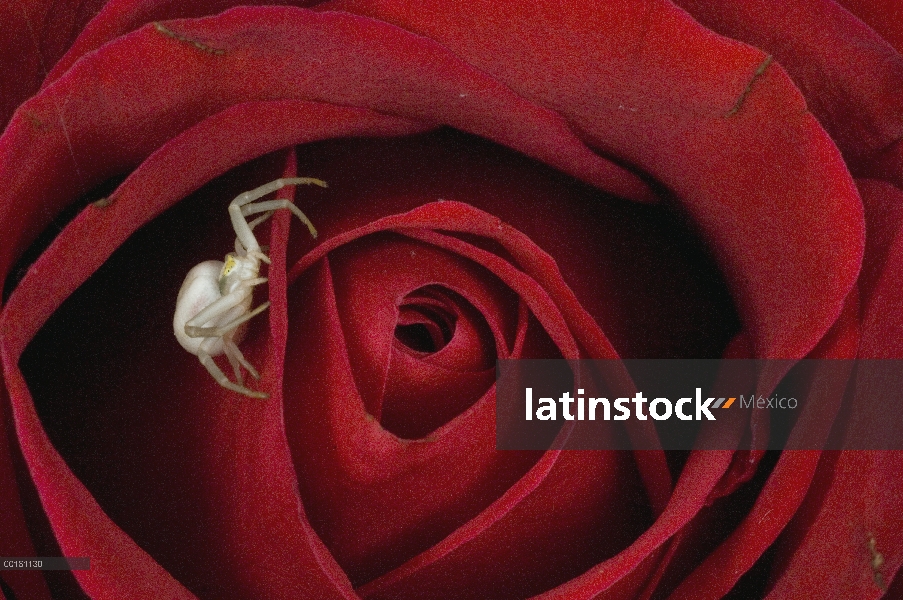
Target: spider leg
<point x="233" y="360"/>
<point x="259" y="219"/>
<point x="271" y="205"/>
<point x="230" y="347"/>
<point x="273" y="186"/>
<point x="240" y="224"/>
<point x="259" y="255"/>
<point x="220" y="331"/>
<point x="215" y="310"/>
<point x="218" y="308"/>
<point x="221" y="378"/>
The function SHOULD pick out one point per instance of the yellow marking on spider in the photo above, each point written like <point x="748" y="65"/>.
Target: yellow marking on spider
<point x="229" y="265"/>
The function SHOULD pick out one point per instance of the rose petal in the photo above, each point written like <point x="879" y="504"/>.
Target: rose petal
<point x="311" y="545"/>
<point x="14" y="536"/>
<point x="35" y="34"/>
<point x="449" y="216"/>
<point x="728" y="134"/>
<point x="87" y="126"/>
<point x="827" y="552"/>
<point x="229" y="455"/>
<point x="855" y="495"/>
<point x="886" y="165"/>
<point x="347" y="452"/>
<point x="454" y="216"/>
<point x="119" y="17"/>
<point x="119" y="568"/>
<point x="884" y="16"/>
<point x="369" y="290"/>
<point x="526" y="542"/>
<point x="241" y="133"/>
<point x="646" y="281"/>
<point x="743" y="466"/>
<point x="787" y="484"/>
<point x="22" y="316"/>
<point x="851" y="78"/>
<point x="884" y="219"/>
<point x="701" y="472"/>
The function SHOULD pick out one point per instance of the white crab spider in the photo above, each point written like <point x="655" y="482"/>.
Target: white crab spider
<point x="215" y="299"/>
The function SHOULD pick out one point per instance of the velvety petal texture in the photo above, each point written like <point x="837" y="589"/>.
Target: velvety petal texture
<point x="884" y="16"/>
<point x="68" y="256"/>
<point x="647" y="63"/>
<point x="852" y="79"/>
<point x="629" y="179"/>
<point x="36" y="34"/>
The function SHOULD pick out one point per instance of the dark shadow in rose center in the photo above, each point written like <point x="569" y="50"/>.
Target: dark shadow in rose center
<point x="427" y="325"/>
<point x="424" y="325"/>
<point x="423" y="337"/>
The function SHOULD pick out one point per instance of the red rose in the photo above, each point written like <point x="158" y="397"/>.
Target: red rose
<point x="506" y="181"/>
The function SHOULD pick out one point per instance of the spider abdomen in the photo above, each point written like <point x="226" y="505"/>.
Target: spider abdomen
<point x="201" y="289"/>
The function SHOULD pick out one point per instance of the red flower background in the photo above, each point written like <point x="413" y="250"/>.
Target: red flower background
<point x="507" y="180"/>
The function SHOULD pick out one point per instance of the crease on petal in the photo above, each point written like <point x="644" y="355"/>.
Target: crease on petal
<point x="767" y="188"/>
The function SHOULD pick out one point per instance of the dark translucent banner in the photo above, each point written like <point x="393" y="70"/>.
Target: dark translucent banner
<point x="45" y="563"/>
<point x="699" y="404"/>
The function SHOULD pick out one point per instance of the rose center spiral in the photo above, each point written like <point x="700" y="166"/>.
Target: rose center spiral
<point x="425" y="323"/>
